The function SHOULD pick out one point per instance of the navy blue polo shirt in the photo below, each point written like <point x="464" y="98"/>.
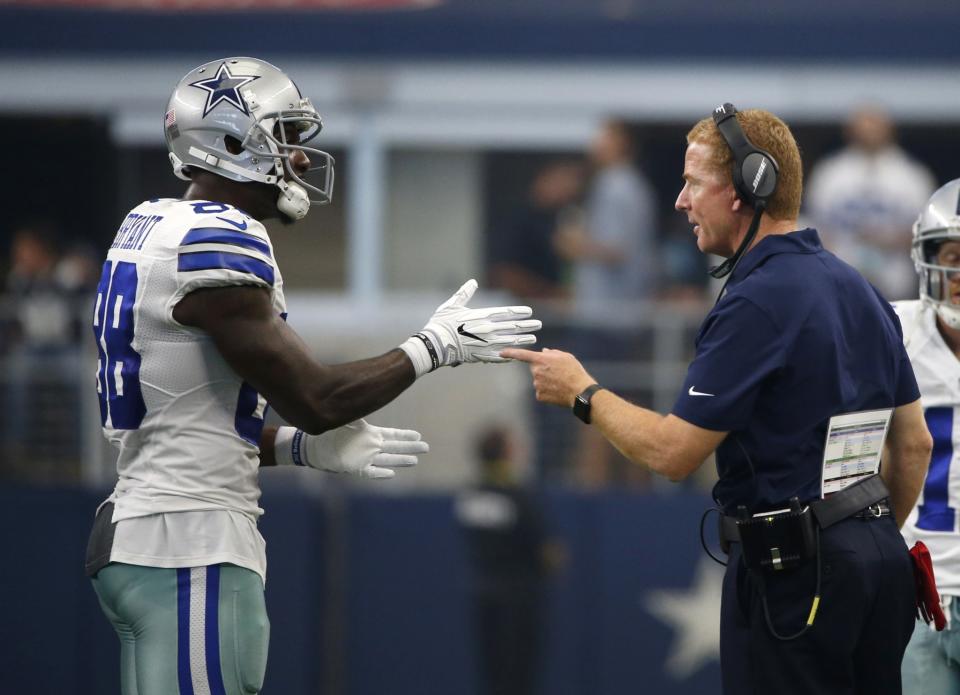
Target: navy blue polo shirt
<point x="798" y="337"/>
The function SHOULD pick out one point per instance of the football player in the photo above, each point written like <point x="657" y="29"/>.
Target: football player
<point x="192" y="341"/>
<point x="931" y="334"/>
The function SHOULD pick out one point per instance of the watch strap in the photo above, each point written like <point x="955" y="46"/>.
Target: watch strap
<point x="581" y="404"/>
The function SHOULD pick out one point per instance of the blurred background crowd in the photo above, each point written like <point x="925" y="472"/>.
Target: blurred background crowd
<point x="587" y="236"/>
<point x="537" y="146"/>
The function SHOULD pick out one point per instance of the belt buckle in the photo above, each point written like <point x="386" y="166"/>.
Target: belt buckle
<point x="874" y="511"/>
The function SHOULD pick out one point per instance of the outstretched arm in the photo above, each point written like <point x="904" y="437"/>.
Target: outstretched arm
<point x="315" y="397"/>
<point x="271" y="357"/>
<point x="668" y="445"/>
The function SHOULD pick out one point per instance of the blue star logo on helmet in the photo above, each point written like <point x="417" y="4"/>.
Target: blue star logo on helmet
<point x="224" y="87"/>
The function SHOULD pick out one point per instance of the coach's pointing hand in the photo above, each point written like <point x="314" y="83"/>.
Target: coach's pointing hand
<point x="557" y="375"/>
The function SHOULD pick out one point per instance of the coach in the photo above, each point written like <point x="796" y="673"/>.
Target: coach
<point x="796" y="338"/>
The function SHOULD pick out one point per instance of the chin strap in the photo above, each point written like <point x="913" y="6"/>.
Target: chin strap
<point x="293" y="200"/>
<point x="226" y="165"/>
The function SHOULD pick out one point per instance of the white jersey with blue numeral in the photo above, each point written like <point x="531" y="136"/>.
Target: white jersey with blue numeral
<point x="935" y="519"/>
<point x="186" y="424"/>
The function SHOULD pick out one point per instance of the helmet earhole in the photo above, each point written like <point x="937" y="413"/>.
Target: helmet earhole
<point x="233" y="145"/>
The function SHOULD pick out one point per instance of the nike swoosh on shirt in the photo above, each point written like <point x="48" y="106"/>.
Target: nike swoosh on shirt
<point x="239" y="225"/>
<point x="693" y="392"/>
<point x="468" y="333"/>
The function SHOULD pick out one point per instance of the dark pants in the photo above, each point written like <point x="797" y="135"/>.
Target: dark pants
<point x="862" y="627"/>
<point x="508" y="628"/>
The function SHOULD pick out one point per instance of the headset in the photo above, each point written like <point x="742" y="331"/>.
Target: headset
<point x="755" y="173"/>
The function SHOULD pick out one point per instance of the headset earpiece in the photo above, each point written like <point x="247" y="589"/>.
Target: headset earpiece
<point x="754" y="178"/>
<point x="754" y="170"/>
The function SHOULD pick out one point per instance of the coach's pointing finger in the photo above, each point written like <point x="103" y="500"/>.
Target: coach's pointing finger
<point x="557" y="376"/>
<point x="520" y="355"/>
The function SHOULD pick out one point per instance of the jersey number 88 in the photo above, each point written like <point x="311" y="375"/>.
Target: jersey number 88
<point x="118" y="364"/>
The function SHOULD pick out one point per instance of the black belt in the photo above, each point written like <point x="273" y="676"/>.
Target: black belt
<point x="865" y="500"/>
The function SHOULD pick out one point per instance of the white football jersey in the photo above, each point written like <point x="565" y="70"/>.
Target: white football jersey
<point x="935" y="518"/>
<point x="187" y="426"/>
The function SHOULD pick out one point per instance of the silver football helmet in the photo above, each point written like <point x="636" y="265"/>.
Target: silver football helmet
<point x="250" y="101"/>
<point x="939" y="221"/>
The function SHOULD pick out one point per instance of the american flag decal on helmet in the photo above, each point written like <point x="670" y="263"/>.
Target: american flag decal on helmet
<point x="170" y="124"/>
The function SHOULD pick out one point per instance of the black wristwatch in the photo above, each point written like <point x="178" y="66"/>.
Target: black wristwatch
<point x="581" y="404"/>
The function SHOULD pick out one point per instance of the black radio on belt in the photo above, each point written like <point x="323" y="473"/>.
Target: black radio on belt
<point x="777" y="540"/>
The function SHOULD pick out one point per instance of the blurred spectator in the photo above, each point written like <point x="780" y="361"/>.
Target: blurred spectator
<point x="37" y="309"/>
<point x="614" y="253"/>
<point x="615" y="261"/>
<point x="864" y="199"/>
<point x="42" y="365"/>
<point x="510" y="556"/>
<point x="527" y="264"/>
<point x="43" y="288"/>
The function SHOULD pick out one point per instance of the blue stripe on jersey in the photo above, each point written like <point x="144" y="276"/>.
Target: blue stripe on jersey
<point x="219" y="235"/>
<point x="936" y="514"/>
<point x="211" y="640"/>
<point x="220" y="260"/>
<point x="247" y="424"/>
<point x="184" y="678"/>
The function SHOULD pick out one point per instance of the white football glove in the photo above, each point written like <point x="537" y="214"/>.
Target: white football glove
<point x="457" y="334"/>
<point x="360" y="449"/>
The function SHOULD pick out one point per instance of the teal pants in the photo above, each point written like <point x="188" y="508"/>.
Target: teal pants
<point x="187" y="631"/>
<point x="931" y="665"/>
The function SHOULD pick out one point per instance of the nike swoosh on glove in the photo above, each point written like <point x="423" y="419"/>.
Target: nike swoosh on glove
<point x="456" y="334"/>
